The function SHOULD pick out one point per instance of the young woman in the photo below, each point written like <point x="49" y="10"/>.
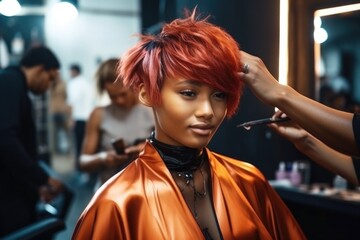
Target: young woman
<point x="178" y="188"/>
<point x="124" y="118"/>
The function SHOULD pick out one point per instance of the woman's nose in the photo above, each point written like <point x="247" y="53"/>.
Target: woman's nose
<point x="205" y="109"/>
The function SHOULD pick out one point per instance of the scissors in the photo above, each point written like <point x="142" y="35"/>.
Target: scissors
<point x="262" y="121"/>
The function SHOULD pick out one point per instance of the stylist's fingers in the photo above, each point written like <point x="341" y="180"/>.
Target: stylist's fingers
<point x="248" y="66"/>
<point x="258" y="78"/>
<point x="279" y="114"/>
<point x="247" y="57"/>
<point x="253" y="70"/>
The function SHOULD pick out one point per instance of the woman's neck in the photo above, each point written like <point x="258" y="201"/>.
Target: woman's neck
<point x="178" y="158"/>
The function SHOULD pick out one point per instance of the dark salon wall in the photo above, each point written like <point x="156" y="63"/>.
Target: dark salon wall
<point x="255" y="25"/>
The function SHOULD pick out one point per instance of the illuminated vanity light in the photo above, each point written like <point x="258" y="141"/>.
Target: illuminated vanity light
<point x="337" y="10"/>
<point x="9" y="7"/>
<point x="63" y="12"/>
<point x="320" y="35"/>
<point x="283" y="42"/>
<point x="317" y="46"/>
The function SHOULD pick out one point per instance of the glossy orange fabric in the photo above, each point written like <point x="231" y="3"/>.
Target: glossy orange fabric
<point x="144" y="202"/>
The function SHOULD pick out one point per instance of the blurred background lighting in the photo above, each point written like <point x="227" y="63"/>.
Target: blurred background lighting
<point x="320" y="35"/>
<point x="283" y="42"/>
<point x="63" y="12"/>
<point x="317" y="22"/>
<point x="10" y="7"/>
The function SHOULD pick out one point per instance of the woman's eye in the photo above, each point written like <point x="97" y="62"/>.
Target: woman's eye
<point x="188" y="93"/>
<point x="220" y="95"/>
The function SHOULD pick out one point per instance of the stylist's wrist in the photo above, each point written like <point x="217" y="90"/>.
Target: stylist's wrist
<point x="304" y="143"/>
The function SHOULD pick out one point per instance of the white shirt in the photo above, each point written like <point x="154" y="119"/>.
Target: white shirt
<point x="81" y="98"/>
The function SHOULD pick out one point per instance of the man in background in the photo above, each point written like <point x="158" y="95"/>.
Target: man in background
<point x="81" y="99"/>
<point x="22" y="181"/>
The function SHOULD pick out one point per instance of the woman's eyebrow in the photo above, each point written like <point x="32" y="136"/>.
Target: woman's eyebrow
<point x="190" y="82"/>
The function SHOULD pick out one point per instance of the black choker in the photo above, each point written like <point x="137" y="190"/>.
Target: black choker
<point x="178" y="158"/>
<point x="184" y="161"/>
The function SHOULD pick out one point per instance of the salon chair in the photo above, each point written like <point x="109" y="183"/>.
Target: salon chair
<point x="59" y="207"/>
<point x="51" y="216"/>
<point x="42" y="229"/>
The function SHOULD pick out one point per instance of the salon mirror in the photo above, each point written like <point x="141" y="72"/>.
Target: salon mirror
<point x="337" y="56"/>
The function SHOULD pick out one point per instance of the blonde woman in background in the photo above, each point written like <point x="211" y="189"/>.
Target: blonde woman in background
<point x="123" y="118"/>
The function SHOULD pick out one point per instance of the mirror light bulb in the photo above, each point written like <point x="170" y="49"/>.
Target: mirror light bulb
<point x="64" y="12"/>
<point x="320" y="35"/>
<point x="10" y="7"/>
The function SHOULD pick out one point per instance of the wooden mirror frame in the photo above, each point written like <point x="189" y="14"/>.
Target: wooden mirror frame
<point x="301" y="75"/>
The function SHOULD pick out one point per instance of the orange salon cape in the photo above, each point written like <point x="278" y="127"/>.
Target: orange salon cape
<point x="144" y="202"/>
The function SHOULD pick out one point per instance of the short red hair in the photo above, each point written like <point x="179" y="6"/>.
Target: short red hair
<point x="189" y="48"/>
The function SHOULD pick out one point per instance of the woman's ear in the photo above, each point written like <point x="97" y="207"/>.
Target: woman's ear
<point x="144" y="97"/>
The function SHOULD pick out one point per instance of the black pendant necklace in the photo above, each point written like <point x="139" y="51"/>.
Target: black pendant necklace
<point x="188" y="176"/>
<point x="185" y="163"/>
<point x="189" y="182"/>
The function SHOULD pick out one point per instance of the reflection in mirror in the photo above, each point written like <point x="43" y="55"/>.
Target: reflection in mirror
<point x="337" y="56"/>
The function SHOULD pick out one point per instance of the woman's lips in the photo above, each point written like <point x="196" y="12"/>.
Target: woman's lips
<point x="202" y="129"/>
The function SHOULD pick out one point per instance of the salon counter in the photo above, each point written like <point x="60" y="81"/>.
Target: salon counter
<point x="324" y="214"/>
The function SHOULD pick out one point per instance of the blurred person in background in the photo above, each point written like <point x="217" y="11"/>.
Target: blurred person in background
<point x="22" y="181"/>
<point x="60" y="113"/>
<point x="123" y="118"/>
<point x="81" y="98"/>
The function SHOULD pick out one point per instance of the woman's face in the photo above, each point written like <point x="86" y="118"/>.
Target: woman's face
<point x="189" y="114"/>
<point x="120" y="96"/>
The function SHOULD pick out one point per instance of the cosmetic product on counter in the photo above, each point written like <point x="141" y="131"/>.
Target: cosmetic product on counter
<point x="340" y="183"/>
<point x="295" y="175"/>
<point x="281" y="172"/>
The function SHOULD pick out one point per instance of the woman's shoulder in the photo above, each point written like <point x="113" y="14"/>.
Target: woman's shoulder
<point x="132" y="176"/>
<point x="97" y="112"/>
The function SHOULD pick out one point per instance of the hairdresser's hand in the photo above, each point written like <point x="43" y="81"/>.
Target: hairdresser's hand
<point x="259" y="79"/>
<point x="290" y="130"/>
